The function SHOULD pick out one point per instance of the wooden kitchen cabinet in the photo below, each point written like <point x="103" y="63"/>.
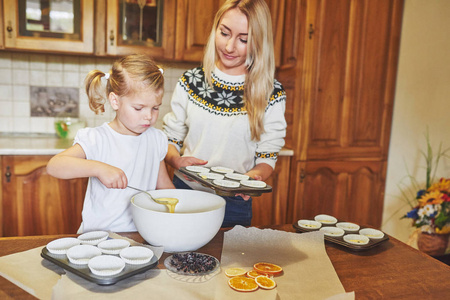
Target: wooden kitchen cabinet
<point x="23" y="31"/>
<point x="271" y="208"/>
<point x="194" y="21"/>
<point x="350" y="191"/>
<point x="342" y="107"/>
<point x="35" y="203"/>
<point x="132" y="29"/>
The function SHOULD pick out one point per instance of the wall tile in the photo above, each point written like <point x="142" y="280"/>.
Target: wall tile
<point x="19" y="71"/>
<point x="20" y="76"/>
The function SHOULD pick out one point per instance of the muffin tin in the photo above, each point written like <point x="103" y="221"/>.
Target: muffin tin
<point x="225" y="181"/>
<point x="347" y="234"/>
<point x="102" y="269"/>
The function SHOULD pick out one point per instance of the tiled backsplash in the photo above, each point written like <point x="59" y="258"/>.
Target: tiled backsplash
<point x="20" y="71"/>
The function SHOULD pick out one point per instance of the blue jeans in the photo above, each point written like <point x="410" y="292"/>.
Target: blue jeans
<point x="237" y="210"/>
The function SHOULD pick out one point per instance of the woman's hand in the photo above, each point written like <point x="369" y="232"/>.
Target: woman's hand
<point x="184" y="161"/>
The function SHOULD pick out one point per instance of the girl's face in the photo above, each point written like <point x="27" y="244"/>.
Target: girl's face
<point x="137" y="112"/>
<point x="231" y="42"/>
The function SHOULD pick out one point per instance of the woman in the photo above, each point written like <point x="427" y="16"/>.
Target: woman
<point x="230" y="113"/>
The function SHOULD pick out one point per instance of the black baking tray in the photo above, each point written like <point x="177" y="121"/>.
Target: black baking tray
<point x="84" y="272"/>
<point x="340" y="239"/>
<point x="225" y="191"/>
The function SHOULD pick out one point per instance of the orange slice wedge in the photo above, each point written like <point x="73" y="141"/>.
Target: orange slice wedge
<point x="233" y="272"/>
<point x="253" y="274"/>
<point x="265" y="282"/>
<point x="243" y="284"/>
<point x="267" y="268"/>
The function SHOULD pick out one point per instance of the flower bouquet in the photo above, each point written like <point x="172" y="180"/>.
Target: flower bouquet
<point x="430" y="205"/>
<point x="432" y="212"/>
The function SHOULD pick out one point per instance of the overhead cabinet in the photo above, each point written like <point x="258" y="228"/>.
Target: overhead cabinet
<point x="56" y="26"/>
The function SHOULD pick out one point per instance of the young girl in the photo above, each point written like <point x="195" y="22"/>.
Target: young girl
<point x="230" y="113"/>
<point x="125" y="151"/>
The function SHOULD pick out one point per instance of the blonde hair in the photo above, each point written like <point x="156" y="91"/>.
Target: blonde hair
<point x="128" y="75"/>
<point x="260" y="60"/>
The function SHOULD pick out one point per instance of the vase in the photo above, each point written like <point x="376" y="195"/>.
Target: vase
<point x="432" y="244"/>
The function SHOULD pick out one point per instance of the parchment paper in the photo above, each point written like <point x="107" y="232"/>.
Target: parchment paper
<point x="308" y="272"/>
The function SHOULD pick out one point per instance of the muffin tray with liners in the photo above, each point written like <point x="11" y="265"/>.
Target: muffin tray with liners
<point x="345" y="232"/>
<point x="55" y="253"/>
<point x="225" y="182"/>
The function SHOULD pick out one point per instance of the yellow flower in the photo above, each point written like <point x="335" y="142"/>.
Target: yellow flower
<point x="434" y="197"/>
<point x="442" y="185"/>
<point x="444" y="230"/>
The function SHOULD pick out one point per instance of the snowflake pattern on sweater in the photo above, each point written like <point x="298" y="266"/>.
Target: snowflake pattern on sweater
<point x="226" y="98"/>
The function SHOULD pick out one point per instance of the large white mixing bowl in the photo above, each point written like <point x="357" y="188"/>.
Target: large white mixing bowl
<point x="197" y="218"/>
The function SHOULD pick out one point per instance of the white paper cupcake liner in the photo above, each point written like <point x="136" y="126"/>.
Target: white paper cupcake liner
<point x="60" y="246"/>
<point x="208" y="175"/>
<point x="356" y="239"/>
<point x="136" y="255"/>
<point x="236" y="176"/>
<point x="254" y="183"/>
<point x="332" y="231"/>
<point x="197" y="169"/>
<point x="81" y="254"/>
<point x="226" y="183"/>
<point x="347" y="226"/>
<point x="113" y="246"/>
<point x="309" y="224"/>
<point x="372" y="233"/>
<point x="222" y="170"/>
<point x="106" y="265"/>
<point x="93" y="237"/>
<point x="325" y="219"/>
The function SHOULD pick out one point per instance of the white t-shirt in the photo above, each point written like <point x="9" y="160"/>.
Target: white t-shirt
<point x="138" y="156"/>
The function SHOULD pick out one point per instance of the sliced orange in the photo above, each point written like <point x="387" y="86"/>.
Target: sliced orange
<point x="267" y="268"/>
<point x="243" y="284"/>
<point x="253" y="274"/>
<point x="233" y="272"/>
<point x="265" y="282"/>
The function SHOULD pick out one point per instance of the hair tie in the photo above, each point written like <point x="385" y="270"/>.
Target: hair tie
<point x="161" y="70"/>
<point x="107" y="76"/>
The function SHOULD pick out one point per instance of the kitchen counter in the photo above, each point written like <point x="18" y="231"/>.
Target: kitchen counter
<point x="392" y="270"/>
<point x="48" y="144"/>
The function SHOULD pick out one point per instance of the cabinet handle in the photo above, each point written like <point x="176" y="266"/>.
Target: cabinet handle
<point x="111" y="37"/>
<point x="9" y="29"/>
<point x="302" y="175"/>
<point x="310" y="31"/>
<point x="8" y="174"/>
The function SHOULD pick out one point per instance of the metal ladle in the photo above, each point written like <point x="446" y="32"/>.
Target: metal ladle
<point x="169" y="202"/>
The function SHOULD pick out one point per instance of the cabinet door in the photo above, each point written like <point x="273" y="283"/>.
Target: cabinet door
<point x="351" y="191"/>
<point x="35" y="203"/>
<point x="271" y="208"/>
<point x="350" y="63"/>
<point x="193" y="28"/>
<point x="57" y="26"/>
<point x="140" y="26"/>
<point x="194" y="22"/>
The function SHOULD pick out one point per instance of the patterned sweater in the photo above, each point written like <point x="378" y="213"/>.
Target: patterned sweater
<point x="212" y="124"/>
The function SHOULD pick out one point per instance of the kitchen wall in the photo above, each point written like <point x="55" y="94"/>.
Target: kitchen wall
<point x="422" y="100"/>
<point x="19" y="71"/>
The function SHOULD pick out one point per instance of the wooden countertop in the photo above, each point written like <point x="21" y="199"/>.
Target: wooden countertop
<point x="391" y="270"/>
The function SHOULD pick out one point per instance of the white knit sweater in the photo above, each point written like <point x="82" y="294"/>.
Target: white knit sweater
<point x="212" y="124"/>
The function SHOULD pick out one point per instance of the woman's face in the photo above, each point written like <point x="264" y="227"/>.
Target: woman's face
<point x="137" y="112"/>
<point x="231" y="42"/>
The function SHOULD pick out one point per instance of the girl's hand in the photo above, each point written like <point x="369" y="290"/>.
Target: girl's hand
<point x="112" y="177"/>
